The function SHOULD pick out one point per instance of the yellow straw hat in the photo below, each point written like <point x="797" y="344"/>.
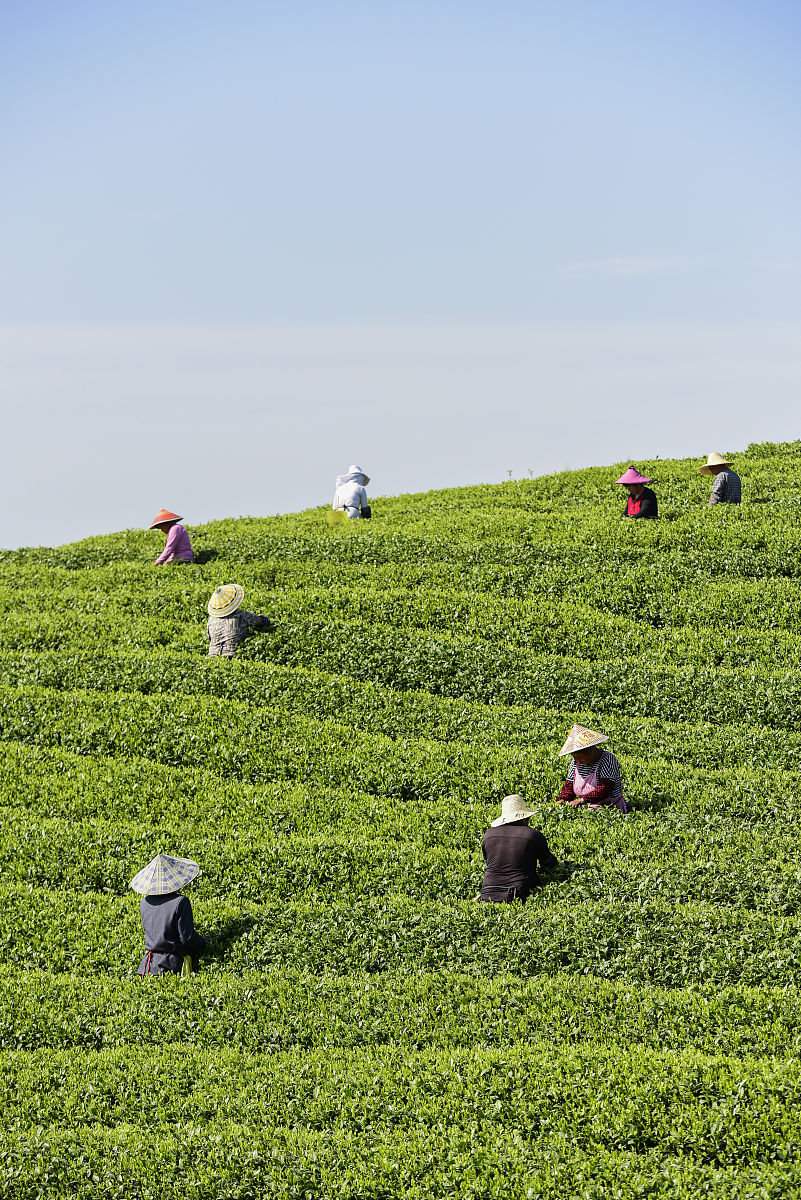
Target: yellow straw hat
<point x="513" y="808"/>
<point x="714" y="460"/>
<point x="226" y="599"/>
<point x="580" y="738"/>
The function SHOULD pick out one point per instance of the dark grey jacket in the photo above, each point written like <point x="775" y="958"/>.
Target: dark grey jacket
<point x="169" y="933"/>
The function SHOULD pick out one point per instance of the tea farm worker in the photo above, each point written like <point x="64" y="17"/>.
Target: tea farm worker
<point x="169" y="926"/>
<point x="228" y="625"/>
<point x="641" y="501"/>
<point x="594" y="775"/>
<point x="178" y="548"/>
<point x="350" y="496"/>
<point x="512" y="853"/>
<point x="727" y="488"/>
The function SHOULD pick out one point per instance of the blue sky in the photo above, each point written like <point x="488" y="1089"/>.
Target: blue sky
<point x="461" y="170"/>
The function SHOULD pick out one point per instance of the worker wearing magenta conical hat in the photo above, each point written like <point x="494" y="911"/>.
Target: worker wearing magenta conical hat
<point x="178" y="548"/>
<point x="593" y="778"/>
<point x="641" y="501"/>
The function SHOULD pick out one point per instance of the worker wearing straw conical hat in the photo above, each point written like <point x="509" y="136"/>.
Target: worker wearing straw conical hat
<point x="593" y="778"/>
<point x="178" y="548"/>
<point x="641" y="501"/>
<point x="727" y="488"/>
<point x="513" y="852"/>
<point x="228" y="624"/>
<point x="350" y="496"/>
<point x="170" y="935"/>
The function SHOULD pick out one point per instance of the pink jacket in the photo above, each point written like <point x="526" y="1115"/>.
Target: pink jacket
<point x="178" y="546"/>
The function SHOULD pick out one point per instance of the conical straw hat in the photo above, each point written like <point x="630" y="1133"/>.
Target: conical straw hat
<point x="164" y="874"/>
<point x="580" y="738"/>
<point x="162" y="516"/>
<point x="226" y="599"/>
<point x="633" y="476"/>
<point x="714" y="460"/>
<point x="513" y="808"/>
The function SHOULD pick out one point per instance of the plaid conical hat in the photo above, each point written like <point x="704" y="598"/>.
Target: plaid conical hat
<point x="164" y="874"/>
<point x="580" y="738"/>
<point x="162" y="516"/>
<point x="226" y="599"/>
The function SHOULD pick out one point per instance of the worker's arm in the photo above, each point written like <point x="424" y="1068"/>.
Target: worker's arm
<point x="255" y="621"/>
<point x="718" y="488"/>
<point x="566" y="793"/>
<point x="167" y="552"/>
<point x="648" y="508"/>
<point x="598" y="794"/>
<point x="191" y="941"/>
<point x="546" y="860"/>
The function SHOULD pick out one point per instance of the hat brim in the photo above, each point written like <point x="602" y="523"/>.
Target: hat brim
<point x="706" y="469"/>
<point x="166" y="521"/>
<point x="577" y="749"/>
<point x="231" y="607"/>
<point x="146" y="886"/>
<point x="520" y="816"/>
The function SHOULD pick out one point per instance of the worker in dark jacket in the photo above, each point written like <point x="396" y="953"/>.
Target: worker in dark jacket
<point x="641" y="501"/>
<point x="512" y="853"/>
<point x="170" y="936"/>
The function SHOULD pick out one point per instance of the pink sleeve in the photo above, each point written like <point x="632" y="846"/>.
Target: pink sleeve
<point x="167" y="552"/>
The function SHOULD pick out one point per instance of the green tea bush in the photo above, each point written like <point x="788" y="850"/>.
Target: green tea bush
<point x="360" y="1026"/>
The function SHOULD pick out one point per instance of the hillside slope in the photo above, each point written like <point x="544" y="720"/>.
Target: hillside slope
<point x="362" y="1027"/>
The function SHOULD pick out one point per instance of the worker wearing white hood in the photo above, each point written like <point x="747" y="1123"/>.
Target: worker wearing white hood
<point x="350" y="495"/>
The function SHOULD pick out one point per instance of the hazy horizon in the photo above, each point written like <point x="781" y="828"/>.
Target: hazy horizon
<point x="242" y="246"/>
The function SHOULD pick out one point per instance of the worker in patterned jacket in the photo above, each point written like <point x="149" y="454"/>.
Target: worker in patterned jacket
<point x="228" y="624"/>
<point x="171" y="941"/>
<point x="727" y="488"/>
<point x="593" y="778"/>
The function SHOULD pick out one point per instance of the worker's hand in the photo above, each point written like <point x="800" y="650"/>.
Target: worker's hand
<point x="574" y="803"/>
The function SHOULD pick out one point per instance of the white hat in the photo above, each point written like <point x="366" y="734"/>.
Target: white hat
<point x="164" y="874"/>
<point x="354" y="470"/>
<point x="513" y="809"/>
<point x="714" y="460"/>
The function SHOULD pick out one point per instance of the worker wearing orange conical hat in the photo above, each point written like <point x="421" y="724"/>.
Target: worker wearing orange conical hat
<point x="178" y="548"/>
<point x="593" y="779"/>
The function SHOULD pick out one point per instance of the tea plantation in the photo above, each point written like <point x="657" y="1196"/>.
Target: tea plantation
<point x="361" y="1026"/>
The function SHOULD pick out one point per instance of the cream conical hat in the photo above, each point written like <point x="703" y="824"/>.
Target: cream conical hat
<point x="714" y="460"/>
<point x="226" y="599"/>
<point x="164" y="874"/>
<point x="513" y="808"/>
<point x="580" y="738"/>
